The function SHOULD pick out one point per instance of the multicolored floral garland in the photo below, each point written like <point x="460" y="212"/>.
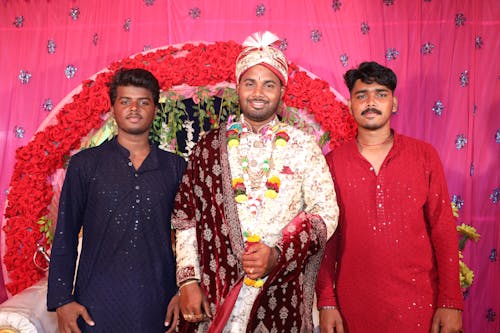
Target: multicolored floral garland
<point x="234" y="134"/>
<point x="196" y="65"/>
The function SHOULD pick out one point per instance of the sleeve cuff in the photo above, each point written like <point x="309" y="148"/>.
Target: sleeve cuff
<point x="326" y="302"/>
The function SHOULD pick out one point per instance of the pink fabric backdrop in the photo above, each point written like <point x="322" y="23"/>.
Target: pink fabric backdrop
<point x="445" y="53"/>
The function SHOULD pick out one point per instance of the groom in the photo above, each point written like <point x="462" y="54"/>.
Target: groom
<point x="251" y="217"/>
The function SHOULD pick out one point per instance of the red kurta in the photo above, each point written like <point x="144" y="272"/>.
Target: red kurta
<point x="396" y="244"/>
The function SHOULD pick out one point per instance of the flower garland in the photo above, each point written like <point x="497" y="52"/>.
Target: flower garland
<point x="465" y="232"/>
<point x="32" y="197"/>
<point x="237" y="155"/>
<point x="256" y="185"/>
<point x="251" y="239"/>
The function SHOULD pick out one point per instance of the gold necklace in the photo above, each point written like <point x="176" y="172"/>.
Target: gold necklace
<point x="387" y="140"/>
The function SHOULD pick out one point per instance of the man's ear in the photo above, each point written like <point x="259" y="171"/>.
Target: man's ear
<point x="394" y="104"/>
<point x="349" y="106"/>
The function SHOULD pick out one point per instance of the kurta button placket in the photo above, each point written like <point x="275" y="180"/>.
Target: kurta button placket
<point x="380" y="199"/>
<point x="136" y="208"/>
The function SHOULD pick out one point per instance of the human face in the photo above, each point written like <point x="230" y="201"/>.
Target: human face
<point x="134" y="110"/>
<point x="372" y="105"/>
<point x="259" y="92"/>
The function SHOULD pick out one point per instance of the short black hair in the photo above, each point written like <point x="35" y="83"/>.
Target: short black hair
<point x="136" y="77"/>
<point x="369" y="72"/>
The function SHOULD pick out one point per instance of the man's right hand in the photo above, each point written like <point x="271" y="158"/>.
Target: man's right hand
<point x="191" y="301"/>
<point x="330" y="321"/>
<point x="67" y="316"/>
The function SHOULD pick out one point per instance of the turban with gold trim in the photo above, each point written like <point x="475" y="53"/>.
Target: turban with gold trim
<point x="260" y="49"/>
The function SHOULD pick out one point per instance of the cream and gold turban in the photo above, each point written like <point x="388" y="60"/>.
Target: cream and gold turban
<point x="259" y="49"/>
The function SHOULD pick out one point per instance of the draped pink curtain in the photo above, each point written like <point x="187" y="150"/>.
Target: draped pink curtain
<point x="445" y="53"/>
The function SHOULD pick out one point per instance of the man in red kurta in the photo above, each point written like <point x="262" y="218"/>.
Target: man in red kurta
<point x="392" y="265"/>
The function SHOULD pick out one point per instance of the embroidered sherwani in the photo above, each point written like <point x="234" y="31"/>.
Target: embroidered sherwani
<point x="210" y="226"/>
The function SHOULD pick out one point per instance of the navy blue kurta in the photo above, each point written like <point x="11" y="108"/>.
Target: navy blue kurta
<point x="126" y="273"/>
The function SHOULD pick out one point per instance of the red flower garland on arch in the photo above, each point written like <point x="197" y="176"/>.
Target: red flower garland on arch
<point x="30" y="191"/>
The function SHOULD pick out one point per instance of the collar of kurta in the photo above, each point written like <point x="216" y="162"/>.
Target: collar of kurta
<point x="151" y="162"/>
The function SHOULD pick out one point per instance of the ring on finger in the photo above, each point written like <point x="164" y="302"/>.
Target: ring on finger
<point x="194" y="317"/>
<point x="199" y="317"/>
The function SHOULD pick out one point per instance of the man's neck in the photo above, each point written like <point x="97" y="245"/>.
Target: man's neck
<point x="135" y="144"/>
<point x="375" y="146"/>
<point x="378" y="138"/>
<point x="255" y="127"/>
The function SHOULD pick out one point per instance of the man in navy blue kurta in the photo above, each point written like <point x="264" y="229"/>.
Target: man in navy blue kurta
<point x="123" y="200"/>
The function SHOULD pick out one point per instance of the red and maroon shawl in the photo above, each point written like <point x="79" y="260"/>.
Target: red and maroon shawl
<point x="205" y="200"/>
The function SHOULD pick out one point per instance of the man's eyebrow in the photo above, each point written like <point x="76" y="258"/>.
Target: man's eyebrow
<point x="266" y="81"/>
<point x="362" y="91"/>
<point x="142" y="97"/>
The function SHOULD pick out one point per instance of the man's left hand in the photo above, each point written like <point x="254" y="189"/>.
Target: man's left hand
<point x="259" y="260"/>
<point x="447" y="321"/>
<point x="172" y="316"/>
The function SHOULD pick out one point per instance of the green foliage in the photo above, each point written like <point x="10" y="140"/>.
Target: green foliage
<point x="169" y="119"/>
<point x="229" y="104"/>
<point x="46" y="228"/>
<point x="173" y="113"/>
<point x="324" y="139"/>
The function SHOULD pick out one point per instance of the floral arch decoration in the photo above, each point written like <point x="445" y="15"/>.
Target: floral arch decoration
<point x="201" y="72"/>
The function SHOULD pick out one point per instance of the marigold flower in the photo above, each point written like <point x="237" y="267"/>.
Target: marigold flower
<point x="454" y="209"/>
<point x="468" y="231"/>
<point x="241" y="198"/>
<point x="258" y="283"/>
<point x="466" y="275"/>
<point x="253" y="283"/>
<point x="236" y="181"/>
<point x="253" y="238"/>
<point x="280" y="142"/>
<point x="274" y="180"/>
<point x="233" y="143"/>
<point x="271" y="194"/>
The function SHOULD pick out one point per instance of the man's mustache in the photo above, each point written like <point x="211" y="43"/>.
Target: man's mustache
<point x="258" y="100"/>
<point x="371" y="110"/>
<point x="133" y="114"/>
